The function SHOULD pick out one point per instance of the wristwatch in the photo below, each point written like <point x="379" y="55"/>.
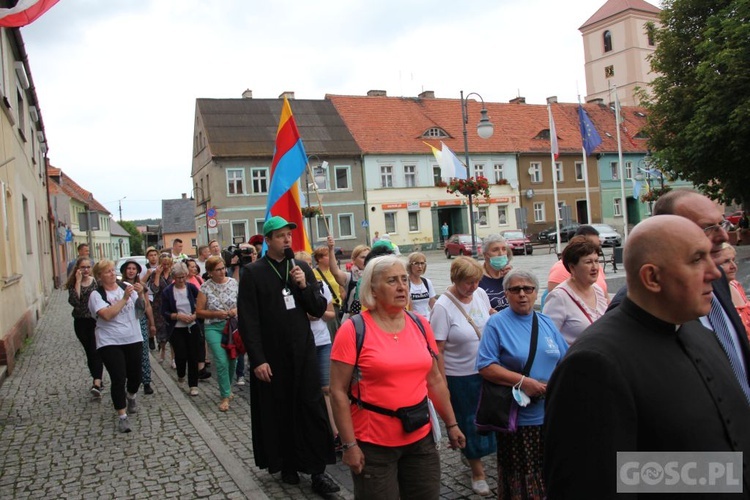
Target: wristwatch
<point x="346" y="446"/>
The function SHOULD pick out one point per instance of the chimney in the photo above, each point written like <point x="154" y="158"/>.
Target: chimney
<point x="552" y="99"/>
<point x="427" y="94"/>
<point x="287" y="93"/>
<point x="598" y="101"/>
<point x="247" y="94"/>
<point x="184" y="196"/>
<point x="376" y="93"/>
<point x="518" y="100"/>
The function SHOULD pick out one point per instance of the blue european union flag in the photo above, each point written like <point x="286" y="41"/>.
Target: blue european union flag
<point x="590" y="137"/>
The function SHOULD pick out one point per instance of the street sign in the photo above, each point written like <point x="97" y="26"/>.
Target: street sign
<point x="211" y="212"/>
<point x="213" y="230"/>
<point x="212" y="223"/>
<point x="365" y="223"/>
<point x="223" y="221"/>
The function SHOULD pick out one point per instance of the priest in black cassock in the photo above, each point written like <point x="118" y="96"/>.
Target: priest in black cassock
<point x="290" y="428"/>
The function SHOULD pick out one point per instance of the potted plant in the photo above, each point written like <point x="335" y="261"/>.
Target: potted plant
<point x="478" y="186"/>
<point x="654" y="194"/>
<point x="310" y="212"/>
<point x="502" y="182"/>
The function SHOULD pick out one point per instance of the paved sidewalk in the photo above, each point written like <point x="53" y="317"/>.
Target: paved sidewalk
<point x="56" y="442"/>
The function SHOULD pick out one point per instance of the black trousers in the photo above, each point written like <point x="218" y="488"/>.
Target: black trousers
<point x="84" y="328"/>
<point x="187" y="345"/>
<point x="123" y="363"/>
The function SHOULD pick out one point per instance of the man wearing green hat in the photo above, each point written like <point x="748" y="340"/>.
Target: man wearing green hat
<point x="290" y="428"/>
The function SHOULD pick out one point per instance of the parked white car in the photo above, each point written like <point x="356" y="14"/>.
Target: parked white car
<point x="607" y="235"/>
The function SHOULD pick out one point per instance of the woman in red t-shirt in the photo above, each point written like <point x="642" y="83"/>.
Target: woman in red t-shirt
<point x="396" y="370"/>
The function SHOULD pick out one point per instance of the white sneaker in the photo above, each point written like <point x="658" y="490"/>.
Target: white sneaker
<point x="240" y="380"/>
<point x="194" y="391"/>
<point x="480" y="487"/>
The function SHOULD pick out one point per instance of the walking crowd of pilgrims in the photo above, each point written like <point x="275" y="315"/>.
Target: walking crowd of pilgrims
<point x="375" y="366"/>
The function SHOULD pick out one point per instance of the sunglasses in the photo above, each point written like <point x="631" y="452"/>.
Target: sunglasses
<point x="515" y="290"/>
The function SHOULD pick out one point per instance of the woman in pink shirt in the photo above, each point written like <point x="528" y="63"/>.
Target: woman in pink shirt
<point x="395" y="369"/>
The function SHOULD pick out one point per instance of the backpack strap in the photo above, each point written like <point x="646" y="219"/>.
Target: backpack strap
<point x="103" y="292"/>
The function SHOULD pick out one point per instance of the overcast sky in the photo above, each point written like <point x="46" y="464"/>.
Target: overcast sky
<point x="117" y="80"/>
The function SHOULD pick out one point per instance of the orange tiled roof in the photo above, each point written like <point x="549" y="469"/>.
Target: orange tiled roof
<point x="614" y="7"/>
<point x="395" y="125"/>
<point x="71" y="188"/>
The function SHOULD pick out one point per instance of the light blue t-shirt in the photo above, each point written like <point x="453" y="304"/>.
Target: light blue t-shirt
<point x="505" y="341"/>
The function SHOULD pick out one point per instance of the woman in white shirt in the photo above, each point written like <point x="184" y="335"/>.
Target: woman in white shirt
<point x="458" y="319"/>
<point x="421" y="291"/>
<point x="578" y="301"/>
<point x="118" y="338"/>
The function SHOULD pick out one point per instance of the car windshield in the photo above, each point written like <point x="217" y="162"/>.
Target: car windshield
<point x="515" y="235"/>
<point x="467" y="239"/>
<point x="603" y="228"/>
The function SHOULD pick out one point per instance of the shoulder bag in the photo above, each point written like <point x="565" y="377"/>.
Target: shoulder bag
<point x="497" y="410"/>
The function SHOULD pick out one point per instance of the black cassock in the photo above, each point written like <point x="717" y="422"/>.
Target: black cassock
<point x="290" y="426"/>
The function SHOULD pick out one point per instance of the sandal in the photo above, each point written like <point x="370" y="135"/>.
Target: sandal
<point x="224" y="405"/>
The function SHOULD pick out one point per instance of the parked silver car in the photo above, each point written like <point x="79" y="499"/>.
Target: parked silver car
<point x="607" y="235"/>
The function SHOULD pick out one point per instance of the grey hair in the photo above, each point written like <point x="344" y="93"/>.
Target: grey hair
<point x="520" y="274"/>
<point x="179" y="268"/>
<point x="373" y="270"/>
<point x="493" y="238"/>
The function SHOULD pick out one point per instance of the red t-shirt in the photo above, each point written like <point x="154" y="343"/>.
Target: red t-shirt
<point x="394" y="375"/>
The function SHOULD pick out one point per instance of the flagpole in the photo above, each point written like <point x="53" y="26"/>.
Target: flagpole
<point x="554" y="178"/>
<point x="624" y="207"/>
<point x="586" y="177"/>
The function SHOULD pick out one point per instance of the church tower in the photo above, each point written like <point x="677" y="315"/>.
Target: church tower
<point x="616" y="44"/>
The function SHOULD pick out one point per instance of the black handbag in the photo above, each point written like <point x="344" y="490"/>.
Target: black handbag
<point x="497" y="410"/>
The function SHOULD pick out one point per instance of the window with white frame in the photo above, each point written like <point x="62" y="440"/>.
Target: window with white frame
<point x="539" y="212"/>
<point x="579" y="170"/>
<point x="479" y="170"/>
<point x="628" y="169"/>
<point x="320" y="177"/>
<point x="502" y="215"/>
<point x="239" y="230"/>
<point x="536" y="171"/>
<point x="235" y="181"/>
<point x="410" y="176"/>
<point x="499" y="170"/>
<point x="343" y="177"/>
<point x="560" y="206"/>
<point x="617" y="207"/>
<point x="260" y="180"/>
<point x="386" y="176"/>
<point x="346" y="226"/>
<point x="613" y="167"/>
<point x="437" y="176"/>
<point x="320" y="226"/>
<point x="482" y="218"/>
<point x="413" y="222"/>
<point x="259" y="226"/>
<point x="390" y="222"/>
<point x="559" y="171"/>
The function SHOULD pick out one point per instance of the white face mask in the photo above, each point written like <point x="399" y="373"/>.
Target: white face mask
<point x="521" y="398"/>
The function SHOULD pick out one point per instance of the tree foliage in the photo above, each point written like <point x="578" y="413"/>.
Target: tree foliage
<point x="699" y="120"/>
<point x="136" y="238"/>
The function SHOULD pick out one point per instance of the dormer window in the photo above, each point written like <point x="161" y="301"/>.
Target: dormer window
<point x="434" y="132"/>
<point x="544" y="134"/>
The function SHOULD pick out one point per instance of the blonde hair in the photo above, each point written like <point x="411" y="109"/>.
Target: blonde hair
<point x="358" y="250"/>
<point x="304" y="256"/>
<point x="413" y="257"/>
<point x="465" y="269"/>
<point x="102" y="266"/>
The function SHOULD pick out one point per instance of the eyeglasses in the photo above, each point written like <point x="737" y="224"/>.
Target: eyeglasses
<point x="179" y="277"/>
<point x="419" y="263"/>
<point x="715" y="228"/>
<point x="515" y="290"/>
<point x="219" y="269"/>
<point x="84" y="267"/>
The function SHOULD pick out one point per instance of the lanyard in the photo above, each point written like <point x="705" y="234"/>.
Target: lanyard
<point x="283" y="280"/>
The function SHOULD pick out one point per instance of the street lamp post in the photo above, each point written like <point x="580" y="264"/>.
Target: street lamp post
<point x="319" y="174"/>
<point x="203" y="202"/>
<point x="484" y="130"/>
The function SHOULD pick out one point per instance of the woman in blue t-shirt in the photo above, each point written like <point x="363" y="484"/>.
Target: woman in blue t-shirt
<point x="501" y="358"/>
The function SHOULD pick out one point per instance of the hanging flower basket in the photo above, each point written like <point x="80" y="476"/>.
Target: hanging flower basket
<point x="310" y="212"/>
<point x="655" y="193"/>
<point x="502" y="182"/>
<point x="470" y="186"/>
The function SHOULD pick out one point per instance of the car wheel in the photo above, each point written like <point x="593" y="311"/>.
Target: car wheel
<point x="447" y="254"/>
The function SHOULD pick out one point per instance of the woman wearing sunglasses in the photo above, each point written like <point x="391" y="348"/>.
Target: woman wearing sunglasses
<point x="503" y="352"/>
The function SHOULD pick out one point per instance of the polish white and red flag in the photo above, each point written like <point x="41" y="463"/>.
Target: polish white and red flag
<point x="24" y="12"/>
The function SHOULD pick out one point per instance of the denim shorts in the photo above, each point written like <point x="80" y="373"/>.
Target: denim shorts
<point x="324" y="363"/>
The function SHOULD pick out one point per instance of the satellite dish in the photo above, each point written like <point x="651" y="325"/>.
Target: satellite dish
<point x="529" y="193"/>
<point x="531" y="170"/>
<point x="514" y="183"/>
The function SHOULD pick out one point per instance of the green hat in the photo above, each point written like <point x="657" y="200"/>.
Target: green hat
<point x="383" y="243"/>
<point x="275" y="223"/>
